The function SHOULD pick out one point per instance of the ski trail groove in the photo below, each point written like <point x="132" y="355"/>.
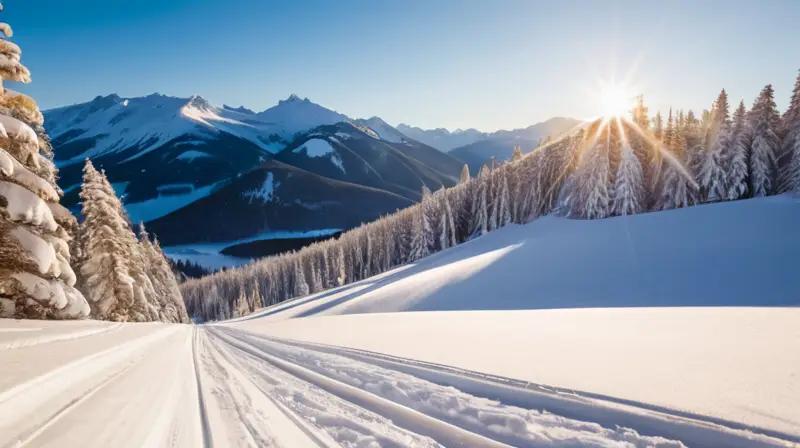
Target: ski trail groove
<point x="286" y="411"/>
<point x="412" y="420"/>
<point x="611" y="415"/>
<point x="204" y="423"/>
<point x="30" y="342"/>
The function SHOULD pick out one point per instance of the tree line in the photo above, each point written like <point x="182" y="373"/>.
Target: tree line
<point x="612" y="166"/>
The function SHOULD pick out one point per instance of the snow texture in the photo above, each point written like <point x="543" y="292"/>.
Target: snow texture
<point x="190" y="156"/>
<point x="24" y="206"/>
<point x="265" y="193"/>
<point x="220" y="386"/>
<point x="317" y="147"/>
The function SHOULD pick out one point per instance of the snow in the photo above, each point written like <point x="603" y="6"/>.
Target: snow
<point x="317" y="147"/>
<point x="698" y="341"/>
<point x="185" y="385"/>
<point x="10" y="167"/>
<point x="17" y="129"/>
<point x="189" y="156"/>
<point x="660" y="330"/>
<point x="265" y="192"/>
<point x="383" y="130"/>
<point x="24" y="206"/>
<point x="165" y="204"/>
<point x="38" y="250"/>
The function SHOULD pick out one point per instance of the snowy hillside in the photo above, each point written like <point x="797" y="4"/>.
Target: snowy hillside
<point x="340" y="369"/>
<point x="698" y="280"/>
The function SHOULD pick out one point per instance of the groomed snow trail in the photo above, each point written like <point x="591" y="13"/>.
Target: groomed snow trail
<point x="97" y="384"/>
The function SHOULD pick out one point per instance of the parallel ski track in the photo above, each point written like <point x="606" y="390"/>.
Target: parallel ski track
<point x="694" y="430"/>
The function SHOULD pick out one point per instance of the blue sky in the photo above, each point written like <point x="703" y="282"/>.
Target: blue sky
<point x="430" y="63"/>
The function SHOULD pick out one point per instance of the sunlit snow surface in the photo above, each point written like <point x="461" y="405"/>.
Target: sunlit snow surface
<point x="732" y="359"/>
<point x="482" y="359"/>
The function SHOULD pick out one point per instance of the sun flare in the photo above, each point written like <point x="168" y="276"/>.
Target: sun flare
<point x="615" y="100"/>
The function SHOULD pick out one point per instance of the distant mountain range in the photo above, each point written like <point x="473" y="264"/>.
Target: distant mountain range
<point x="196" y="173"/>
<point x="476" y="148"/>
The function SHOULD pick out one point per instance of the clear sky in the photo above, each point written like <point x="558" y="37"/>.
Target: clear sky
<point x="431" y="63"/>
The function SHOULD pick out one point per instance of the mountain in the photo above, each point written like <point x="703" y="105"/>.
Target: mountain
<point x="442" y="139"/>
<point x="274" y="197"/>
<point x="500" y="144"/>
<point x="188" y="168"/>
<point x="354" y="153"/>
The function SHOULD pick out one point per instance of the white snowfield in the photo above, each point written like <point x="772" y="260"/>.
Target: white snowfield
<point x="479" y="358"/>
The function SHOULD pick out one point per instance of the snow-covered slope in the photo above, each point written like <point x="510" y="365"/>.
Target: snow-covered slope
<point x="115" y="124"/>
<point x="383" y="129"/>
<point x="696" y="311"/>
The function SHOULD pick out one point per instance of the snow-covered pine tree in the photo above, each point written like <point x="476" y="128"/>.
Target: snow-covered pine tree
<point x="300" y="285"/>
<point x="587" y="193"/>
<point x="678" y="191"/>
<point x="36" y="280"/>
<point x="765" y="144"/>
<point x="340" y="266"/>
<point x="369" y="255"/>
<point x="737" y="172"/>
<point x="464" y="174"/>
<point x="504" y="201"/>
<point x="711" y="169"/>
<point x="175" y="307"/>
<point x="658" y="127"/>
<point x="423" y="240"/>
<point x="517" y="154"/>
<point x="480" y="212"/>
<point x="447" y="235"/>
<point x="790" y="160"/>
<point x="105" y="271"/>
<point x="629" y="191"/>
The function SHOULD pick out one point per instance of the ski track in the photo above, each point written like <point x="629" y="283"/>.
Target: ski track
<point x="45" y="339"/>
<point x="215" y="386"/>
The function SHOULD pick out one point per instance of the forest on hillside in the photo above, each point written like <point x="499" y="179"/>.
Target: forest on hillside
<point x="614" y="166"/>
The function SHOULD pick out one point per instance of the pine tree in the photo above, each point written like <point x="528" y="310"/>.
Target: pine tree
<point x="36" y="280"/>
<point x="737" y="165"/>
<point x="629" y="191"/>
<point x="464" y="174"/>
<point x="765" y="144"/>
<point x="105" y="271"/>
<point x="587" y="194"/>
<point x="503" y="207"/>
<point x="447" y="231"/>
<point x="340" y="266"/>
<point x="658" y="127"/>
<point x="480" y="213"/>
<point x="790" y="161"/>
<point x="677" y="191"/>
<point x="300" y="285"/>
<point x="423" y="240"/>
<point x="517" y="154"/>
<point x="711" y="176"/>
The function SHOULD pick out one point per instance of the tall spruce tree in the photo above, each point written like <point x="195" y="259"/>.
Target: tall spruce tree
<point x="36" y="280"/>
<point x="629" y="191"/>
<point x="790" y="161"/>
<point x="737" y="172"/>
<point x="464" y="174"/>
<point x="765" y="144"/>
<point x="106" y="269"/>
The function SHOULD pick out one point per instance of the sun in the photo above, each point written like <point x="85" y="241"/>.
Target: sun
<point x="615" y="100"/>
